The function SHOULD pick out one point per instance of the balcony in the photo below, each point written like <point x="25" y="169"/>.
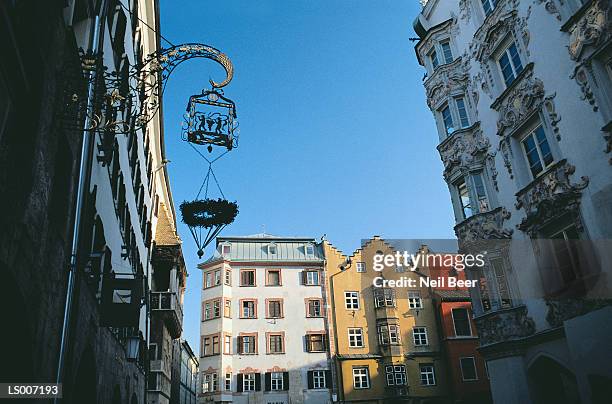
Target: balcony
<point x="167" y="305"/>
<point x="504" y="325"/>
<point x="484" y="226"/>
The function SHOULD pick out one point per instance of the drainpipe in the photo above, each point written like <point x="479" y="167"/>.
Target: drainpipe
<point x="96" y="39"/>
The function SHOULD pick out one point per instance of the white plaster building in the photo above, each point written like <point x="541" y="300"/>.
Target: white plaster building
<point x="521" y="92"/>
<point x="263" y="322"/>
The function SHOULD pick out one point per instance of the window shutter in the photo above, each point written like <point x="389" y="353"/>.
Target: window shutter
<point x="328" y="379"/>
<point x="285" y="380"/>
<point x="267" y="381"/>
<point x="303" y="277"/>
<point x="310" y="379"/>
<point x="257" y="381"/>
<point x="307" y="338"/>
<point x="239" y="383"/>
<point x="240" y="350"/>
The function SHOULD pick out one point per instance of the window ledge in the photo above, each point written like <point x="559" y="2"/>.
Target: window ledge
<point x="528" y="69"/>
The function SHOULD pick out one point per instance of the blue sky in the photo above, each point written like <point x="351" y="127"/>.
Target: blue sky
<point x="336" y="137"/>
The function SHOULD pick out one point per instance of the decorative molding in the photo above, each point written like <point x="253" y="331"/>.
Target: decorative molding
<point x="550" y="196"/>
<point x="484" y="226"/>
<point x="551" y="7"/>
<point x="504" y="325"/>
<point x="464" y="148"/>
<point x="560" y="310"/>
<point x="591" y="29"/>
<point x="520" y="100"/>
<point x="581" y="74"/>
<point x="464" y="10"/>
<point x="445" y="80"/>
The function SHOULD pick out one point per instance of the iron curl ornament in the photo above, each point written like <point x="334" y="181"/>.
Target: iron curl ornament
<point x="128" y="97"/>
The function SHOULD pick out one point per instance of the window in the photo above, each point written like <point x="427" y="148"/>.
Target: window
<point x="227" y="344"/>
<point x="227" y="309"/>
<point x="447" y="118"/>
<point x="228" y="382"/>
<point x="537" y="151"/>
<point x="361" y="267"/>
<point x="463" y="116"/>
<point x="510" y="64"/>
<point x="355" y="336"/>
<point x="499" y="271"/>
<point x="318" y="379"/>
<point x="247" y="344"/>
<point x="388" y="334"/>
<point x="446" y="51"/>
<point x="414" y="300"/>
<point x="310" y="278"/>
<point x="464" y="199"/>
<point x="209" y="280"/>
<point x="247" y="277"/>
<point x="384" y="297"/>
<point x="315" y="342"/>
<point x="309" y="250"/>
<point x="275" y="309"/>
<point x="273" y="277"/>
<point x="226" y="249"/>
<point x="228" y="277"/>
<point x="468" y="369"/>
<point x="566" y="254"/>
<point x="276" y="381"/>
<point x="210" y="383"/>
<point x="396" y="375"/>
<point x="276" y="343"/>
<point x="217" y="277"/>
<point x="248" y="382"/>
<point x="488" y="5"/>
<point x="351" y="300"/>
<point x="207" y="310"/>
<point x="210" y="345"/>
<point x="419" y="335"/>
<point x="313" y="308"/>
<point x="428" y="377"/>
<point x="272" y="249"/>
<point x="481" y="193"/>
<point x="461" y="321"/>
<point x="361" y="377"/>
<point x="433" y="57"/>
<point x="248" y="309"/>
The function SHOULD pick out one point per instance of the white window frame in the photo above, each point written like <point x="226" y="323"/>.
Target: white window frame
<point x="475" y="369"/>
<point x="392" y="372"/>
<point x="248" y="382"/>
<point x="226" y="249"/>
<point x="228" y="277"/>
<point x="276" y="381"/>
<point x="309" y="250"/>
<point x="227" y="344"/>
<point x="351" y="300"/>
<point x="313" y="278"/>
<point x="415" y="302"/>
<point x="355" y="337"/>
<point x="361" y="267"/>
<point x="450" y="48"/>
<point x="455" y="326"/>
<point x="361" y="376"/>
<point x="427" y="370"/>
<point x="228" y="382"/>
<point x="418" y="334"/>
<point x="272" y="249"/>
<point x="318" y="379"/>
<point x="532" y="133"/>
<point x="505" y="50"/>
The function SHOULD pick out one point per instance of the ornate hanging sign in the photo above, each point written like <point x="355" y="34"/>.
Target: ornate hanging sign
<point x="211" y="120"/>
<point x="129" y="97"/>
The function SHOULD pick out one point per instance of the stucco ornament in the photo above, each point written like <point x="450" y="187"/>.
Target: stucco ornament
<point x="551" y="7"/>
<point x="504" y="325"/>
<point x="550" y="196"/>
<point x="484" y="226"/>
<point x="466" y="148"/>
<point x="445" y="80"/>
<point x="591" y="29"/>
<point x="564" y="309"/>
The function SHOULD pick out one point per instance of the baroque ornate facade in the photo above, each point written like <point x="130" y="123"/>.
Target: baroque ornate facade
<point x="521" y="92"/>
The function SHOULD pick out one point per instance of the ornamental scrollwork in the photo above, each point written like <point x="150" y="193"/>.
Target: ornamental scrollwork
<point x="550" y="196"/>
<point x="551" y="8"/>
<point x="445" y="80"/>
<point x="504" y="325"/>
<point x="591" y="29"/>
<point x="464" y="148"/>
<point x="484" y="226"/>
<point x="560" y="310"/>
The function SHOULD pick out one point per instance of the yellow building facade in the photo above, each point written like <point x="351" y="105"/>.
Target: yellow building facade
<point x="383" y="341"/>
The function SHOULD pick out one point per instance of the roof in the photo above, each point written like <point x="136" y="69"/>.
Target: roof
<point x="255" y="248"/>
<point x="453" y="295"/>
<point x="165" y="233"/>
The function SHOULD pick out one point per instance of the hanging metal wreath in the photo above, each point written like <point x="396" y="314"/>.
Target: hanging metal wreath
<point x="205" y="219"/>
